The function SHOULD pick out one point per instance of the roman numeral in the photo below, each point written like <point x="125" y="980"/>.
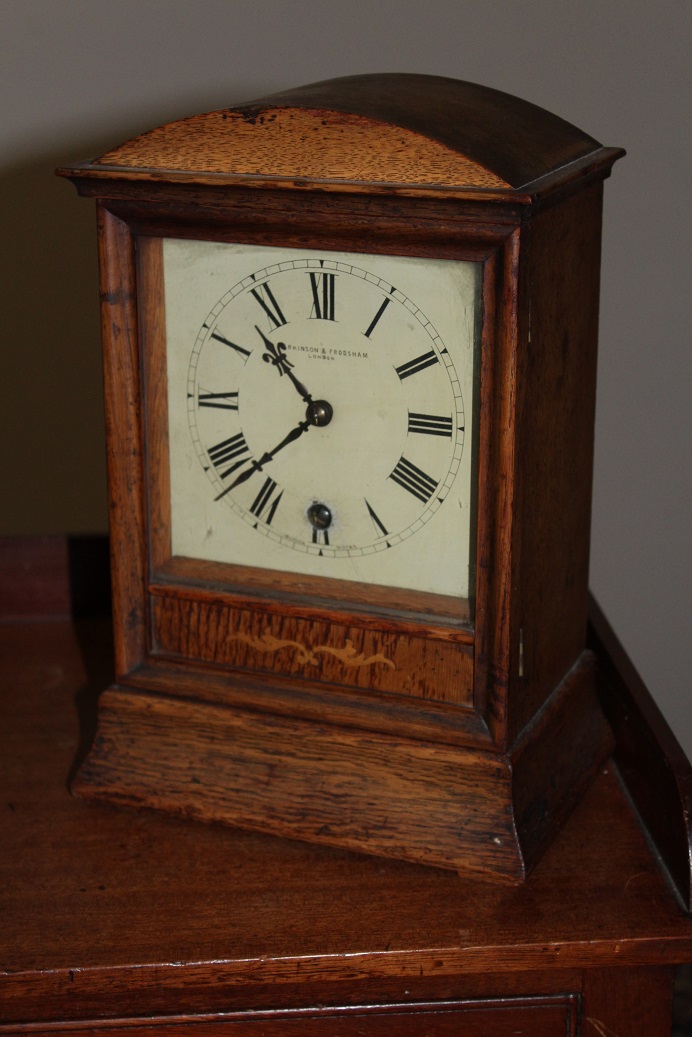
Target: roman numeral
<point x="320" y="536"/>
<point x="419" y="364"/>
<point x="222" y="400"/>
<point x="322" y="296"/>
<point x="233" y="345"/>
<point x="267" y="497"/>
<point x="265" y="297"/>
<point x="430" y="424"/>
<point x="376" y="520"/>
<point x="227" y="451"/>
<point x="376" y="318"/>
<point x="414" y="480"/>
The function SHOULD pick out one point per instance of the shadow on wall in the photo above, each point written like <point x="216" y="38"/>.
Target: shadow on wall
<point x="52" y="467"/>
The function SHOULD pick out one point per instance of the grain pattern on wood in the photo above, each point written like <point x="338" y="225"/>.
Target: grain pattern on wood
<point x="152" y="328"/>
<point x="431" y="804"/>
<point x="423" y="802"/>
<point x="390" y="129"/>
<point x="556" y="397"/>
<point x="401" y="716"/>
<point x="121" y="372"/>
<point x="111" y="913"/>
<point x="445" y="618"/>
<point x="496" y="487"/>
<point x="279" y="146"/>
<point x="269" y="642"/>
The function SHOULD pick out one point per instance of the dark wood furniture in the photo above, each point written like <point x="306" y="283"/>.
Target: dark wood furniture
<point x="114" y="921"/>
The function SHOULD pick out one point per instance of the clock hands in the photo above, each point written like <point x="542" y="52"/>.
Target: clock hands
<point x="256" y="466"/>
<point x="318" y="413"/>
<point x="276" y="355"/>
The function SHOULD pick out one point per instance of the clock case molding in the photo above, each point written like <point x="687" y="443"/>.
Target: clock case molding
<point x="468" y="752"/>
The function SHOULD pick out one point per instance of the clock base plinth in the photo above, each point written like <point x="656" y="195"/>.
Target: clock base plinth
<point x="461" y="808"/>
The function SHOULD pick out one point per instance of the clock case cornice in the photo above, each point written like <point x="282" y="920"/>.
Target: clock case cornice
<point x="403" y="134"/>
<point x="437" y="168"/>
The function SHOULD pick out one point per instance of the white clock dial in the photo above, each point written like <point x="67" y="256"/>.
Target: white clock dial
<point x="319" y="412"/>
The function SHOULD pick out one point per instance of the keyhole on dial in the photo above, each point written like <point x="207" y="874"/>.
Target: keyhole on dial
<point x="320" y="516"/>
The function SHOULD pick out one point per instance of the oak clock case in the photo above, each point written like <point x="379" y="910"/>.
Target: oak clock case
<point x="350" y="347"/>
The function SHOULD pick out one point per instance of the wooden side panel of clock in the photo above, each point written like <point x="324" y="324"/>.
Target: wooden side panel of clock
<point x="556" y="379"/>
<point x="124" y="438"/>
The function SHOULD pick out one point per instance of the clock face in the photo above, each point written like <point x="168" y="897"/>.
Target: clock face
<point x="321" y="412"/>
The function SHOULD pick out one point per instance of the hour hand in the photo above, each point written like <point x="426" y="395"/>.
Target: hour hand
<point x="256" y="466"/>
<point x="276" y="355"/>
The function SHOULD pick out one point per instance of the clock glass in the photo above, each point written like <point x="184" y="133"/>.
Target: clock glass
<point x="322" y="412"/>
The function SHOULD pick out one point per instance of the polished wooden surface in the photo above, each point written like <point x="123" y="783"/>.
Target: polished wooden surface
<point x="654" y="767"/>
<point x="108" y="912"/>
<point x="414" y="133"/>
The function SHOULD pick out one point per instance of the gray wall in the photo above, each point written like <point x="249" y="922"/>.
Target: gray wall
<point x="80" y="75"/>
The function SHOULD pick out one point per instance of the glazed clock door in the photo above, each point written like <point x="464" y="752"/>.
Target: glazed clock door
<point x="321" y="412"/>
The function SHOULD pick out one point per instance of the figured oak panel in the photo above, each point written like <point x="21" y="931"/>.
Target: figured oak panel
<point x="277" y="147"/>
<point x="386" y="128"/>
<point x="243" y="638"/>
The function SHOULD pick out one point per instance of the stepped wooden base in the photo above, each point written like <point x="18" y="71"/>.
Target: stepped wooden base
<point x="452" y="806"/>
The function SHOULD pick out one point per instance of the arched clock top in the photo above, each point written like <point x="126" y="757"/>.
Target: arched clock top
<point x="405" y="133"/>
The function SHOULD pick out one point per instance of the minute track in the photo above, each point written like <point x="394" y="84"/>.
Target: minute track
<point x="394" y="385"/>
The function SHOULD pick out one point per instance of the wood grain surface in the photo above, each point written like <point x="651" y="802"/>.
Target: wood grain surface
<point x="409" y="131"/>
<point x="111" y="912"/>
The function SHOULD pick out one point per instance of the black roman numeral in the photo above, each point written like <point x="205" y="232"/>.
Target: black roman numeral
<point x="267" y="497"/>
<point x="323" y="286"/>
<point x="414" y="480"/>
<point x="222" y="400"/>
<point x="226" y="452"/>
<point x="320" y="536"/>
<point x="376" y="318"/>
<point x="233" y="345"/>
<point x="265" y="297"/>
<point x="430" y="424"/>
<point x="419" y="364"/>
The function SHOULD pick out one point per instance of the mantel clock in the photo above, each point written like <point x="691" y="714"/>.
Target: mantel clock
<point x="350" y="353"/>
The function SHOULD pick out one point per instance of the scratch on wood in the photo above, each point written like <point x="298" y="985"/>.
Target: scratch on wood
<point x="601" y="1029"/>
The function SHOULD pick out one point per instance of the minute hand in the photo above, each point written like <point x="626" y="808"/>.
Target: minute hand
<point x="256" y="466"/>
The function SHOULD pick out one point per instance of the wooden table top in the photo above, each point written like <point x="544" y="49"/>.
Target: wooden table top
<point x="99" y="905"/>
